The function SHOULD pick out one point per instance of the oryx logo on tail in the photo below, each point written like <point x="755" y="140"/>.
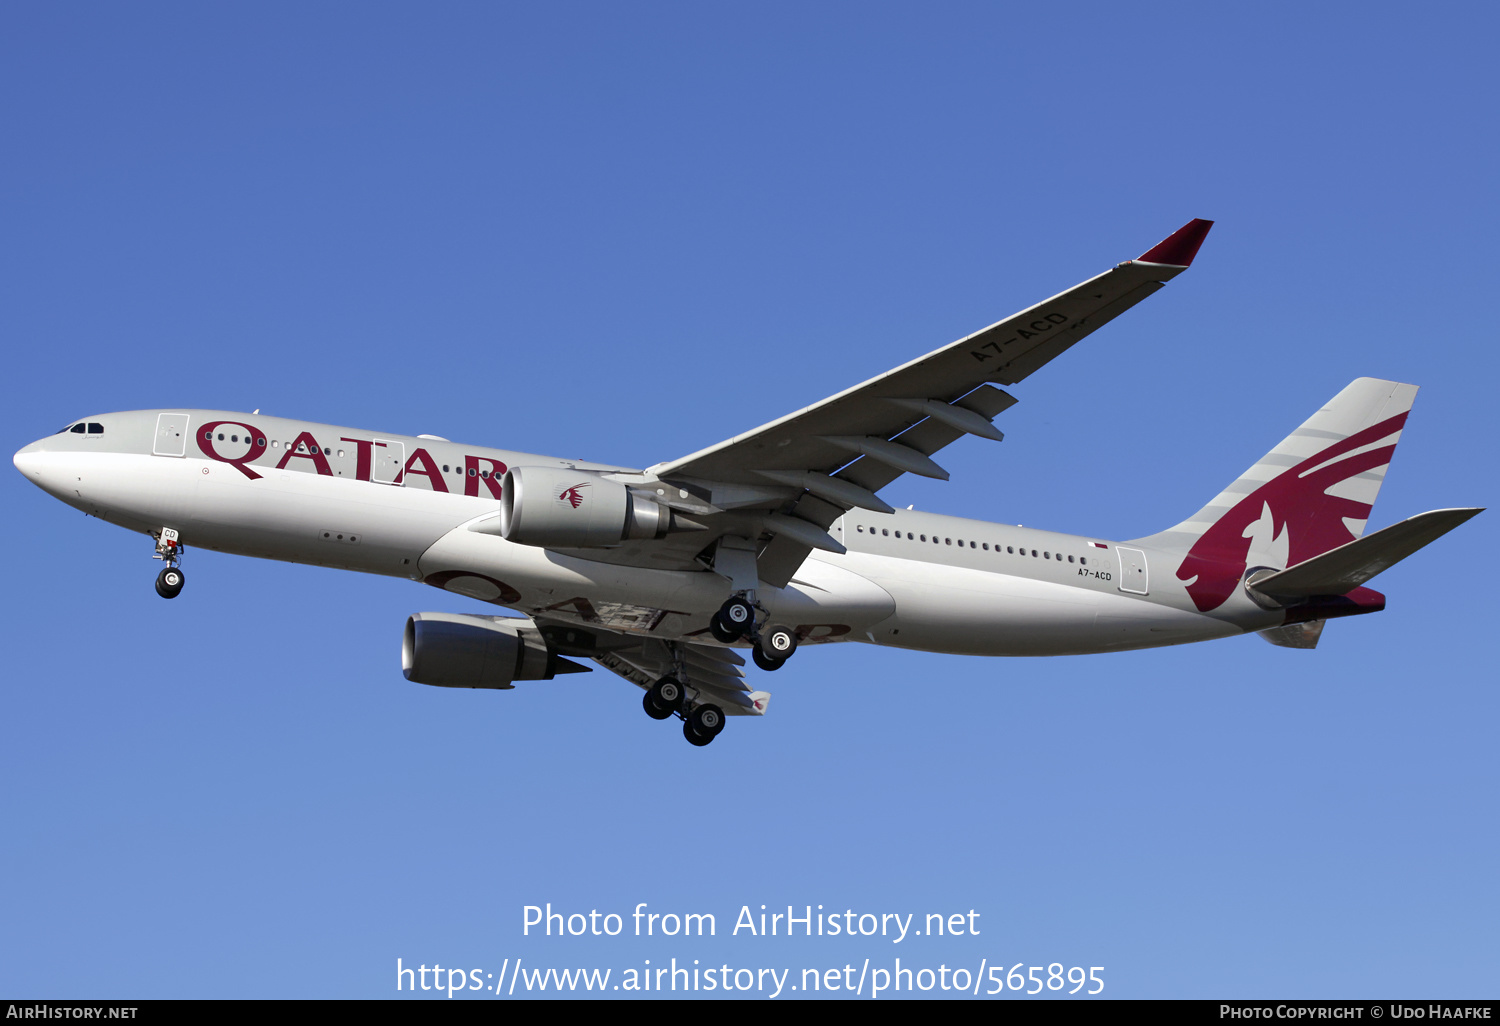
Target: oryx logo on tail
<point x="1302" y="512"/>
<point x="1310" y="494"/>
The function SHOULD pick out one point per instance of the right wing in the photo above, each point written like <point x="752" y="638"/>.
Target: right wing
<point x="809" y="467"/>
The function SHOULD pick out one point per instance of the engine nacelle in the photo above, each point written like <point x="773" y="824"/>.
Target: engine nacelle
<point x="454" y="650"/>
<point x="557" y="508"/>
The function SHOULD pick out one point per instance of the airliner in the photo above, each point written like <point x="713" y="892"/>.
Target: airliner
<point x="768" y="541"/>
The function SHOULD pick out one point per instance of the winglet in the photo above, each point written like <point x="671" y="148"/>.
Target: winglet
<point x="1179" y="248"/>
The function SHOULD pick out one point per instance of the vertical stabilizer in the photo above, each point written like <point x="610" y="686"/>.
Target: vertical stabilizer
<point x="1310" y="494"/>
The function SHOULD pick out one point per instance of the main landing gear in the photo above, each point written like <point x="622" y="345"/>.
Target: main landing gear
<point x="170" y="581"/>
<point x="701" y="721"/>
<point x="703" y="724"/>
<point x="774" y="644"/>
<point x="664" y="699"/>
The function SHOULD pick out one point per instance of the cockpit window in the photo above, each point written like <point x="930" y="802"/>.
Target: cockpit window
<point x="78" y="429"/>
<point x="96" y="429"/>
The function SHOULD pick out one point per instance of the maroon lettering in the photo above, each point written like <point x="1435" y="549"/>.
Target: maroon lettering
<point x="429" y="469"/>
<point x="314" y="453"/>
<point x="472" y="478"/>
<point x="362" y="457"/>
<point x="256" y="439"/>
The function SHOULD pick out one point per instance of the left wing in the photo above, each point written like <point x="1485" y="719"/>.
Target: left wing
<point x="813" y="465"/>
<point x="713" y="671"/>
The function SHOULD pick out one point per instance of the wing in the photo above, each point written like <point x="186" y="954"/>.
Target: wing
<point x="808" y="468"/>
<point x="714" y="672"/>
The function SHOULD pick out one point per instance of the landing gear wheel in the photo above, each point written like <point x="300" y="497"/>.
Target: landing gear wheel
<point x="693" y="737"/>
<point x="764" y="661"/>
<point x="737" y="615"/>
<point x="776" y="644"/>
<point x="722" y="634"/>
<point x="169" y="582"/>
<point x="706" y="720"/>
<point x="666" y="696"/>
<point x="653" y="710"/>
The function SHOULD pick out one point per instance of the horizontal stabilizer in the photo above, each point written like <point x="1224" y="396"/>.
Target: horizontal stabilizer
<point x="1345" y="568"/>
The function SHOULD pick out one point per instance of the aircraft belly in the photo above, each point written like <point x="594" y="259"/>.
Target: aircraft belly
<point x="825" y="601"/>
<point x="533" y="578"/>
<point x="974" y="612"/>
<point x="828" y="601"/>
<point x="322" y="520"/>
<point x="298" y="517"/>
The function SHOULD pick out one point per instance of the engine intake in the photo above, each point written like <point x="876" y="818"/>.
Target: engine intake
<point x="456" y="650"/>
<point x="557" y="508"/>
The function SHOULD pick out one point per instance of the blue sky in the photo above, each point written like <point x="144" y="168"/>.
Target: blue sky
<point x="625" y="232"/>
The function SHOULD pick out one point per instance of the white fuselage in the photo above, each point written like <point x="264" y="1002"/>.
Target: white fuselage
<point x="909" y="579"/>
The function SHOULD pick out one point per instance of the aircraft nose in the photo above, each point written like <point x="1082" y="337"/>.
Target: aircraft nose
<point x="37" y="464"/>
<point x="28" y="460"/>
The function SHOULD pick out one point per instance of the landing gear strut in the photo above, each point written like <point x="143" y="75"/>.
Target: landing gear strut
<point x="170" y="581"/>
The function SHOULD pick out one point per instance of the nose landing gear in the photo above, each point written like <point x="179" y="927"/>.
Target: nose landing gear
<point x="170" y="581"/>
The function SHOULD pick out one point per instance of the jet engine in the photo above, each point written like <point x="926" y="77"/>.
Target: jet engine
<point x="455" y="650"/>
<point x="558" y="508"/>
